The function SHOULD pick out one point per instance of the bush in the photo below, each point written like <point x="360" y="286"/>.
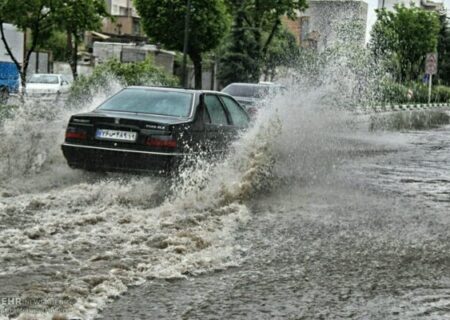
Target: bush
<point x="440" y="94"/>
<point x="107" y="76"/>
<point x="392" y="92"/>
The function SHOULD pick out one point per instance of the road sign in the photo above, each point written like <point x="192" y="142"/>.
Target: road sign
<point x="431" y="63"/>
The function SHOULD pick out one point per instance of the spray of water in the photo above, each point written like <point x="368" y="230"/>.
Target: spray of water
<point x="86" y="240"/>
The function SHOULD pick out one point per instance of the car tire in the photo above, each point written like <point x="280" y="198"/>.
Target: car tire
<point x="4" y="95"/>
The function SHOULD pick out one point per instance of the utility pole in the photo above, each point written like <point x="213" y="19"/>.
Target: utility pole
<point x="187" y="18"/>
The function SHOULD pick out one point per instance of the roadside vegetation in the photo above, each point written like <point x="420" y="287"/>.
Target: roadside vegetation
<point x="110" y="76"/>
<point x="400" y="41"/>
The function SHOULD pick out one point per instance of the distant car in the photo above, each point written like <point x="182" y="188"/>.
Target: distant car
<point x="47" y="86"/>
<point x="249" y="94"/>
<point x="152" y="129"/>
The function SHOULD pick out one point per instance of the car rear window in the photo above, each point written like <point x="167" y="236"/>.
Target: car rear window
<point x="160" y="102"/>
<point x="43" y="78"/>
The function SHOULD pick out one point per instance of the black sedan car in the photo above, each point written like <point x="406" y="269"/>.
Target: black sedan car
<point x="151" y="129"/>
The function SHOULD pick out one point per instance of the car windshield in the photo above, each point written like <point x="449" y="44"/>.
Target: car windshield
<point x="161" y="102"/>
<point x="250" y="91"/>
<point x="44" y="78"/>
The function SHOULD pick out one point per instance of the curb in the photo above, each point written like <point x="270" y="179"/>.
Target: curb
<point x="400" y="107"/>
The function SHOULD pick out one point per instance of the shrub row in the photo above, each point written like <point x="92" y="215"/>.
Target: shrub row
<point x="392" y="92"/>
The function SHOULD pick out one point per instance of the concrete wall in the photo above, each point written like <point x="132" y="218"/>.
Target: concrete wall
<point x="124" y="52"/>
<point x="64" y="68"/>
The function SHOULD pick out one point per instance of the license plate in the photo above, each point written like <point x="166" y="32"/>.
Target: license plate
<point x="116" y="135"/>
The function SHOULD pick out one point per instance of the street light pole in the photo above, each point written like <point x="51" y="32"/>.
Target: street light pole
<point x="187" y="18"/>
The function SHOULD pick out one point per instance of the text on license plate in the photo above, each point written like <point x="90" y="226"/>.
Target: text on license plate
<point x="117" y="135"/>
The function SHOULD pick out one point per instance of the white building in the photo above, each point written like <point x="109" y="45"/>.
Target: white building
<point x="431" y="5"/>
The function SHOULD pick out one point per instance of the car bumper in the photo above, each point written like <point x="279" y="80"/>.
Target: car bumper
<point x="109" y="159"/>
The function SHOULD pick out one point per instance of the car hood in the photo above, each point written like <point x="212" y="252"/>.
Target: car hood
<point x="133" y="116"/>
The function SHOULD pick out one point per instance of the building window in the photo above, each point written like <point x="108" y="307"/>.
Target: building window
<point x="136" y="27"/>
<point x="123" y="11"/>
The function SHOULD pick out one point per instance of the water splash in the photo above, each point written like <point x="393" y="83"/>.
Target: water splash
<point x="96" y="237"/>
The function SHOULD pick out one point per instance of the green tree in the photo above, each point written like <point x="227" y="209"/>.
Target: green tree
<point x="263" y="19"/>
<point x="443" y="50"/>
<point x="75" y="17"/>
<point x="57" y="44"/>
<point x="33" y="15"/>
<point x="403" y="37"/>
<point x="284" y="51"/>
<point x="238" y="63"/>
<point x="164" y="22"/>
<point x="106" y="76"/>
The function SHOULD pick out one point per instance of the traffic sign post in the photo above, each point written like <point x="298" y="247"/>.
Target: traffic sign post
<point x="430" y="69"/>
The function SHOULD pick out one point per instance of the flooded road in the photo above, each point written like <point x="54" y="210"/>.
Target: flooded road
<point x="369" y="240"/>
<point x="308" y="218"/>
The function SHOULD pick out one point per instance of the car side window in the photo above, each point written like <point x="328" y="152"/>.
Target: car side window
<point x="215" y="110"/>
<point x="238" y="116"/>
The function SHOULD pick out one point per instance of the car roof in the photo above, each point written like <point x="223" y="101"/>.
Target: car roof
<point x="264" y="84"/>
<point x="176" y="89"/>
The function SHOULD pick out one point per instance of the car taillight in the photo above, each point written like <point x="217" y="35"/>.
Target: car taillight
<point x="161" y="142"/>
<point x="75" y="133"/>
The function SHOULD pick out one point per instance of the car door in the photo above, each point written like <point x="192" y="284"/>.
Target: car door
<point x="219" y="126"/>
<point x="239" y="117"/>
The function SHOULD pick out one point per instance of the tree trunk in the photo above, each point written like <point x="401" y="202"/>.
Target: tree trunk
<point x="74" y="60"/>
<point x="72" y="52"/>
<point x="197" y="61"/>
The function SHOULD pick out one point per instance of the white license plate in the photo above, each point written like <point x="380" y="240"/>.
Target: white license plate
<point x="116" y="135"/>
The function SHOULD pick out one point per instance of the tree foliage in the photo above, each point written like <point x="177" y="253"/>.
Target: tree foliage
<point x="262" y="18"/>
<point x="57" y="44"/>
<point x="283" y="51"/>
<point x="43" y="17"/>
<point x="443" y="51"/>
<point x="112" y="73"/>
<point x="37" y="16"/>
<point x="75" y="17"/>
<point x="164" y="22"/>
<point x="404" y="37"/>
<point x="238" y="61"/>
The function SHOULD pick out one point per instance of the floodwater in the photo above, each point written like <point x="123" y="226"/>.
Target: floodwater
<point x="310" y="217"/>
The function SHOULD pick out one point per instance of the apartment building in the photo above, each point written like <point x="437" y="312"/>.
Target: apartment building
<point x="425" y="4"/>
<point x="126" y="19"/>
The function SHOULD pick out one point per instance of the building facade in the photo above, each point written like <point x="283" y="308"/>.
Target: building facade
<point x="126" y="21"/>
<point x="320" y="26"/>
<point x="425" y="4"/>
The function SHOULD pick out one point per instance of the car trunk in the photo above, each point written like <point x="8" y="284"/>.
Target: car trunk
<point x="124" y="131"/>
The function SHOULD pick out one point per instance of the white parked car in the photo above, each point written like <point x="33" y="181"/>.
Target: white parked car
<point x="49" y="86"/>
